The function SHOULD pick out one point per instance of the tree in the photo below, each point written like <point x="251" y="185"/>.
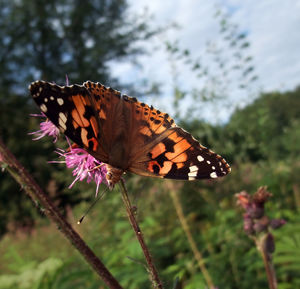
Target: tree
<point x="48" y="40"/>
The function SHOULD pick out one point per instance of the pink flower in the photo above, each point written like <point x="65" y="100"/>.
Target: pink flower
<point x="46" y="128"/>
<point x="85" y="166"/>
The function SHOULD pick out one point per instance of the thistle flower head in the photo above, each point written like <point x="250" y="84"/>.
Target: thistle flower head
<point x="84" y="166"/>
<point x="46" y="128"/>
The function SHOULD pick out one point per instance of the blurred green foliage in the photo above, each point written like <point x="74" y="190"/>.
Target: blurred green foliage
<point x="260" y="141"/>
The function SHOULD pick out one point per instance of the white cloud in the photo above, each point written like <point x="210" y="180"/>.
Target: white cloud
<point x="273" y="32"/>
<point x="275" y="40"/>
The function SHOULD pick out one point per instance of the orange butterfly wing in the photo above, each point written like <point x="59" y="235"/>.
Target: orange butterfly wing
<point x="125" y="133"/>
<point x="72" y="110"/>
<point x="154" y="146"/>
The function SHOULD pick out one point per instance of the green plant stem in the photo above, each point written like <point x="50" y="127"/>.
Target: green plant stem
<point x="267" y="258"/>
<point x="190" y="238"/>
<point x="156" y="282"/>
<point x="296" y="196"/>
<point x="20" y="174"/>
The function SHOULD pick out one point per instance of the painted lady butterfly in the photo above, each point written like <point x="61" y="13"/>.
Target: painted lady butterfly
<point x="126" y="134"/>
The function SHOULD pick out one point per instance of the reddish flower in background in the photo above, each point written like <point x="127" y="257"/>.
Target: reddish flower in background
<point x="257" y="226"/>
<point x="255" y="220"/>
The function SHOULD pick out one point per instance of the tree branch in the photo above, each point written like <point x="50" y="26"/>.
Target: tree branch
<point x="21" y="175"/>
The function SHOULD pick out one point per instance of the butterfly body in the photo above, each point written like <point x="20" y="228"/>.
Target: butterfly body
<point x="126" y="134"/>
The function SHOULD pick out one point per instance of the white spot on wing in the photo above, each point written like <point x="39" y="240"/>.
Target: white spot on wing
<point x="40" y="89"/>
<point x="208" y="162"/>
<point x="193" y="168"/>
<point x="62" y="117"/>
<point x="60" y="101"/>
<point x="213" y="167"/>
<point x="192" y="174"/>
<point x="200" y="158"/>
<point x="213" y="175"/>
<point x="62" y="124"/>
<point x="43" y="108"/>
<point x="192" y="178"/>
<point x="52" y="97"/>
<point x="45" y="99"/>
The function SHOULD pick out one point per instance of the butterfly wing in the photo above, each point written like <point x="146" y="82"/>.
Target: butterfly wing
<point x="176" y="154"/>
<point x="152" y="144"/>
<point x="115" y="122"/>
<point x="159" y="148"/>
<point x="72" y="110"/>
<point x="126" y="133"/>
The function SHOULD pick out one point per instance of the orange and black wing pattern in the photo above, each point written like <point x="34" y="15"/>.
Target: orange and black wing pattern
<point x="176" y="154"/>
<point x="125" y="133"/>
<point x="70" y="108"/>
<point x="159" y="148"/>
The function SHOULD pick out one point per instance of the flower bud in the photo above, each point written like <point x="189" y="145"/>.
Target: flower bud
<point x="256" y="211"/>
<point x="261" y="196"/>
<point x="270" y="244"/>
<point x="243" y="199"/>
<point x="277" y="223"/>
<point x="248" y="224"/>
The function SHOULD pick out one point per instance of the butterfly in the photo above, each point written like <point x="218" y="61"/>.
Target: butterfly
<point x="125" y="134"/>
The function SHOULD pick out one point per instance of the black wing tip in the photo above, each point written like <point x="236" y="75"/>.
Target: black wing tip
<point x="224" y="163"/>
<point x="37" y="87"/>
<point x="35" y="84"/>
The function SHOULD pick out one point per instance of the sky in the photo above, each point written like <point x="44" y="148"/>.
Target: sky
<point x="272" y="28"/>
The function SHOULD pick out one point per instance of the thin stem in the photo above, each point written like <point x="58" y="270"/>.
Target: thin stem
<point x="296" y="196"/>
<point x="193" y="245"/>
<point x="261" y="244"/>
<point x="20" y="174"/>
<point x="156" y="282"/>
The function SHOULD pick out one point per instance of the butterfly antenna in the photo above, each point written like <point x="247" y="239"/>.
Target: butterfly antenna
<point x="92" y="205"/>
<point x="67" y="80"/>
